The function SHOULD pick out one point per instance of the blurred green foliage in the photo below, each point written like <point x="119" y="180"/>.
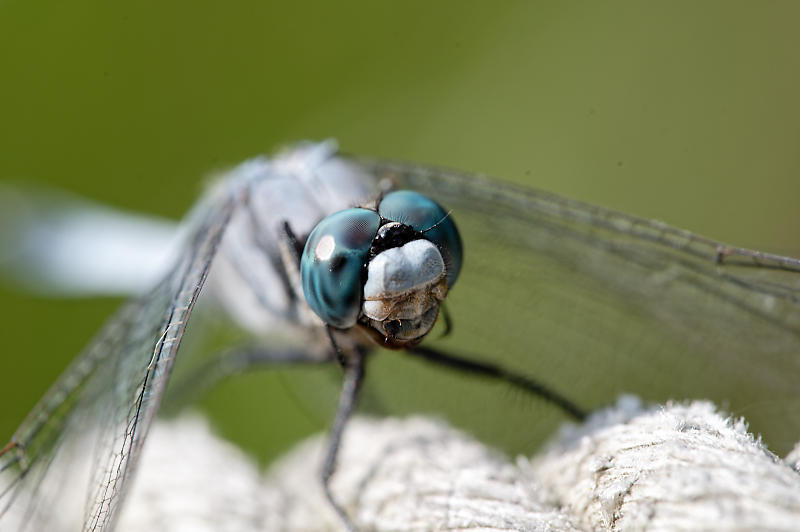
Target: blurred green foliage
<point x="682" y="111"/>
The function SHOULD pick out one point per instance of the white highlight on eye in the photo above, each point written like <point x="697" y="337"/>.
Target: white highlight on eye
<point x="325" y="247"/>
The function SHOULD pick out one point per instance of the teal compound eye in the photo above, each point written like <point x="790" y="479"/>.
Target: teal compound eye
<point x="429" y="218"/>
<point x="332" y="263"/>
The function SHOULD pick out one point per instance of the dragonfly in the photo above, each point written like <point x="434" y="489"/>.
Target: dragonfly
<point x="574" y="303"/>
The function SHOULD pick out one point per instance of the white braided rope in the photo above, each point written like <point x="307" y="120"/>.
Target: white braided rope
<point x="676" y="467"/>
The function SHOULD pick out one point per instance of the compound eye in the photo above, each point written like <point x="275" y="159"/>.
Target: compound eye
<point x="428" y="217"/>
<point x="330" y="267"/>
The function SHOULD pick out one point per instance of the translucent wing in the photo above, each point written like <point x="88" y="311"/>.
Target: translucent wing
<point x="596" y="304"/>
<point x="55" y="243"/>
<point x="590" y="302"/>
<point x="78" y="448"/>
<point x="103" y="404"/>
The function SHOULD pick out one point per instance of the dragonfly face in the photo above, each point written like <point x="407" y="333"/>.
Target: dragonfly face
<point x="386" y="270"/>
<point x="594" y="303"/>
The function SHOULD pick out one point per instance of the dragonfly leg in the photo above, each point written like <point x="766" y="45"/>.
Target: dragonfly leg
<point x="296" y="245"/>
<point x="277" y="261"/>
<point x="234" y="362"/>
<point x="291" y="251"/>
<point x="348" y="399"/>
<point x="494" y="371"/>
<point x="340" y="356"/>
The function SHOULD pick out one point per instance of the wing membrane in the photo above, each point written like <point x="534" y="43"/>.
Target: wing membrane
<point x="591" y="302"/>
<point x="78" y="449"/>
<point x="103" y="404"/>
<point x="597" y="303"/>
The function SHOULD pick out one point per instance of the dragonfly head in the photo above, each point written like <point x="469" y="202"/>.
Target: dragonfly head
<point x="385" y="271"/>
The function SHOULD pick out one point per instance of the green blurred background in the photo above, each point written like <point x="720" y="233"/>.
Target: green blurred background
<point x="686" y="112"/>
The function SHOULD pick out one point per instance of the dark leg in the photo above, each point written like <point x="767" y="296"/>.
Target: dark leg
<point x="227" y="364"/>
<point x="497" y="372"/>
<point x="340" y="358"/>
<point x="277" y="264"/>
<point x="353" y="378"/>
<point x="295" y="244"/>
